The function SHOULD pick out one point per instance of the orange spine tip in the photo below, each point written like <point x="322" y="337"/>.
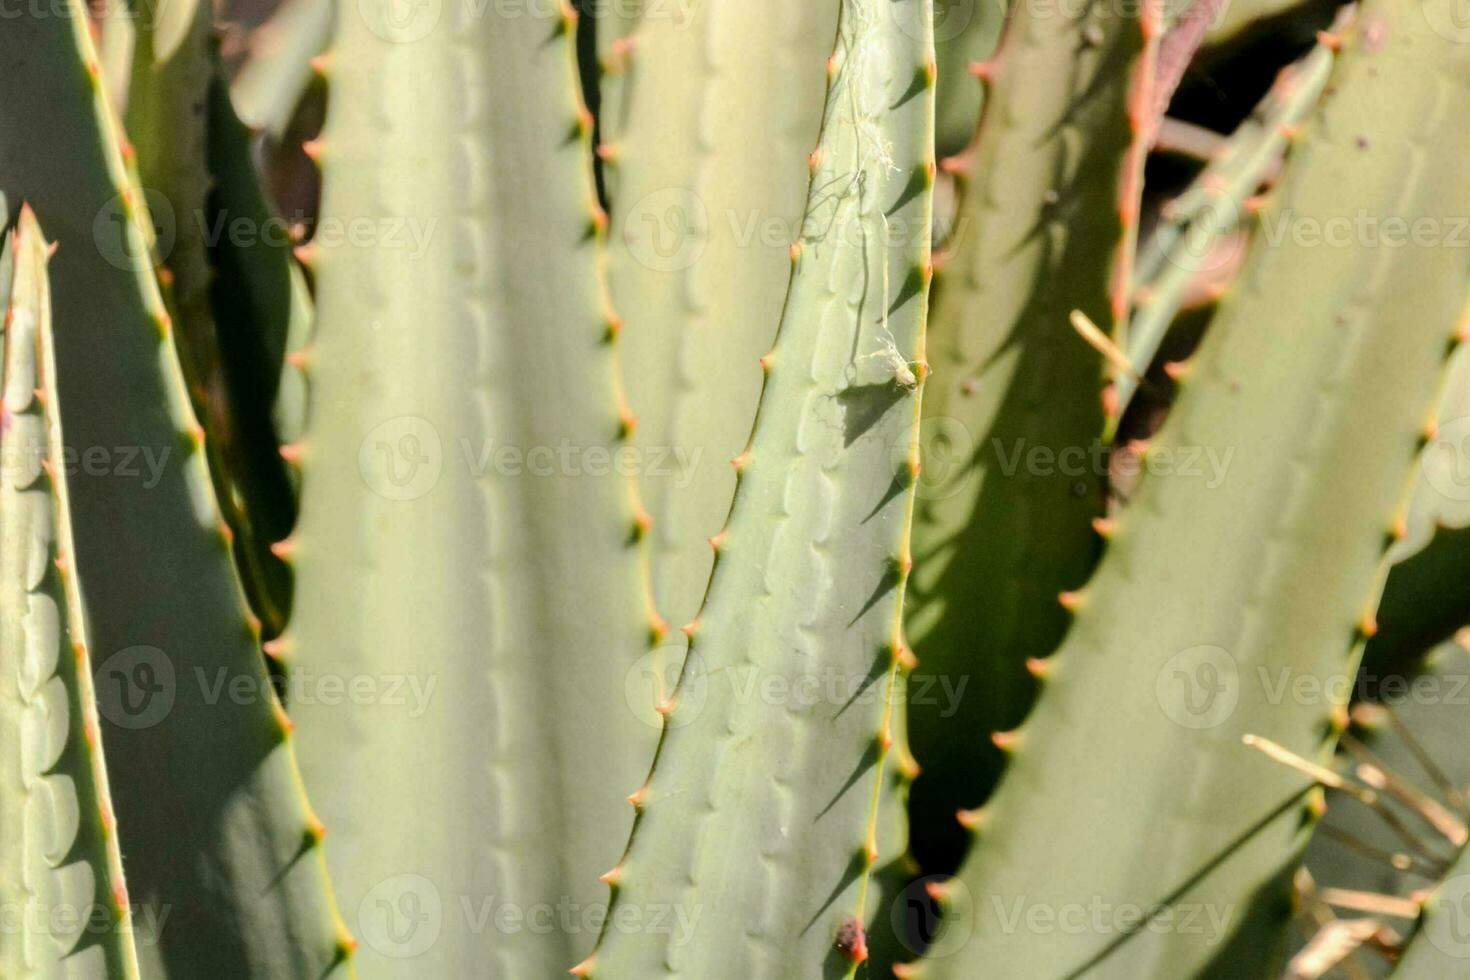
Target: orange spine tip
<point x="611" y="877"/>
<point x="1038" y="668"/>
<point x="1006" y="741"/>
<point x="1070" y="600"/>
<point x="795" y="251"/>
<point x="1368" y="625"/>
<point x="298" y="359"/>
<point x="937" y="890"/>
<point x="969" y="819"/>
<point x="582" y="969"/>
<point x="931" y="71"/>
<point x="119" y="894"/>
<point x="584" y="120"/>
<point x="885" y="740"/>
<point x="287" y="725"/>
<point x="283" y="548"/>
<point x="305" y="253"/>
<point x="767" y="360"/>
<point x="666" y="706"/>
<point x="639" y="796"/>
<point x="906" y="971"/>
<point x="690" y="628"/>
<point x="814" y="159"/>
<point x="319" y="63"/>
<point x="599" y="220"/>
<point x="274" y="648"/>
<point x="1175" y="370"/>
<point x="1104" y="526"/>
<point x="1329" y="40"/>
<point x="315" y="829"/>
<point x="1400" y="529"/>
<point x="983" y="70"/>
<point x="831" y="66"/>
<point x="606" y="151"/>
<point x="313" y="149"/>
<point x="953" y="165"/>
<point x="291" y="452"/>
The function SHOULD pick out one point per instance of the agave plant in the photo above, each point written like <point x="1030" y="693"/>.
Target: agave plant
<point x="722" y="490"/>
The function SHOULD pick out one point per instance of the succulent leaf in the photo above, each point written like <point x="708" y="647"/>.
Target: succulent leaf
<point x="703" y="217"/>
<point x="62" y="880"/>
<point x="222" y="853"/>
<point x="999" y="531"/>
<point x="785" y="706"/>
<point x="1315" y="372"/>
<point x="1188" y="242"/>
<point x="468" y="546"/>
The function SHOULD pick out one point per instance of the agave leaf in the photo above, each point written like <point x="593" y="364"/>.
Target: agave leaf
<point x="268" y="86"/>
<point x="1315" y="372"/>
<point x="1186" y="244"/>
<point x="703" y="217"/>
<point x="1427" y="598"/>
<point x="467" y="551"/>
<point x="221" y="852"/>
<point x="965" y="32"/>
<point x="1038" y="235"/>
<point x="62" y="878"/>
<point x="785" y="705"/>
